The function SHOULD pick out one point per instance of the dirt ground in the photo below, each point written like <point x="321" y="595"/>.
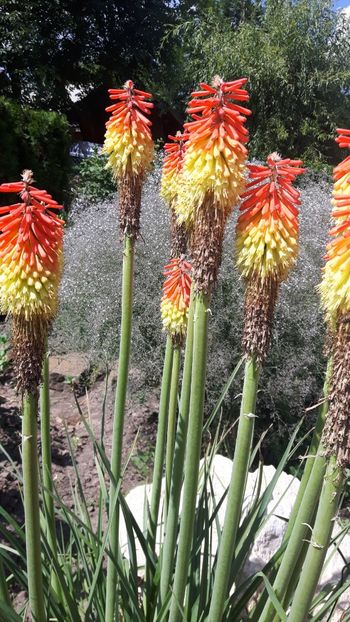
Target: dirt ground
<point x="95" y="393"/>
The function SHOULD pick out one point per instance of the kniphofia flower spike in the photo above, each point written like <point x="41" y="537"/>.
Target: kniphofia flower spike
<point x="176" y="298"/>
<point x="266" y="244"/>
<point x="30" y="251"/>
<point x="170" y="187"/>
<point x="128" y="140"/>
<point x="335" y="298"/>
<point x="335" y="286"/>
<point x="172" y="166"/>
<point x="268" y="228"/>
<point x="215" y="152"/>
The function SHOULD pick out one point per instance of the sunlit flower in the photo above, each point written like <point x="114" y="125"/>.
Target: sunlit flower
<point x="30" y="251"/>
<point x="266" y="244"/>
<point x="335" y="286"/>
<point x="170" y="187"/>
<point x="268" y="227"/>
<point x="335" y="297"/>
<point x="215" y="152"/>
<point x="176" y="298"/>
<point x="30" y="271"/>
<point x="128" y="140"/>
<point x="172" y="167"/>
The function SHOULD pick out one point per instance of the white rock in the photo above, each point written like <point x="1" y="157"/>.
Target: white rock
<point x="268" y="539"/>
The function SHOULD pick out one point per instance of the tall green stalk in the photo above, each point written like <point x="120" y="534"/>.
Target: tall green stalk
<point x="313" y="449"/>
<point x="160" y="443"/>
<point x="170" y="440"/>
<point x="303" y="512"/>
<point x="168" y="551"/>
<point x="319" y="542"/>
<point x="193" y="449"/>
<point x="236" y="491"/>
<point x="31" y="506"/>
<point x="47" y="470"/>
<point x="118" y="424"/>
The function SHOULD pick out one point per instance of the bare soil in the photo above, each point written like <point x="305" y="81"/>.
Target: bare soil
<point x="72" y="379"/>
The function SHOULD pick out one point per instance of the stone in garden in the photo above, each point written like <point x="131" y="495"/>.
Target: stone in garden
<point x="270" y="536"/>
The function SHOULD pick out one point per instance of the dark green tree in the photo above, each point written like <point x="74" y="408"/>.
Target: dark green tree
<point x="49" y="46"/>
<point x="295" y="55"/>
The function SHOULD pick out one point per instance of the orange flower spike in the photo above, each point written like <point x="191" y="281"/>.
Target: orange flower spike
<point x="335" y="285"/>
<point x="176" y="298"/>
<point x="128" y="140"/>
<point x="268" y="227"/>
<point x="215" y="153"/>
<point x="341" y="176"/>
<point x="172" y="166"/>
<point x="30" y="251"/>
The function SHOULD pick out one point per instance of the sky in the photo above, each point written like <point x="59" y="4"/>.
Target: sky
<point x="341" y="4"/>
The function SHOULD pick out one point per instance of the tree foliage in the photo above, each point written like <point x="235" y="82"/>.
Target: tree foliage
<point x="296" y="58"/>
<point x="294" y="52"/>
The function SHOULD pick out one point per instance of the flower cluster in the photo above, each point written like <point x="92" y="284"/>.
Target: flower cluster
<point x="215" y="152"/>
<point x="335" y="286"/>
<point x="176" y="297"/>
<point x="172" y="167"/>
<point x="30" y="251"/>
<point x="268" y="227"/>
<point x="128" y="140"/>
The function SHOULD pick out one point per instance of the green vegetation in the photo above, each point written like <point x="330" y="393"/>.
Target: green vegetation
<point x="38" y="140"/>
<point x="294" y="53"/>
<point x="93" y="181"/>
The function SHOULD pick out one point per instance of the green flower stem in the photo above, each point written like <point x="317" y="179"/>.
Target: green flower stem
<point x="302" y="514"/>
<point x="299" y="533"/>
<point x="160" y="443"/>
<point x="168" y="552"/>
<point x="31" y="506"/>
<point x="193" y="451"/>
<point x="118" y="424"/>
<point x="315" y="441"/>
<point x="319" y="542"/>
<point x="170" y="441"/>
<point x="4" y="593"/>
<point x="47" y="471"/>
<point x="236" y="491"/>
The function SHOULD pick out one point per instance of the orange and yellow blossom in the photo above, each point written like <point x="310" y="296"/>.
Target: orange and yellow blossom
<point x="128" y="140"/>
<point x="172" y="167"/>
<point x="176" y="298"/>
<point x="335" y="285"/>
<point x="30" y="251"/>
<point x="214" y="161"/>
<point x="268" y="227"/>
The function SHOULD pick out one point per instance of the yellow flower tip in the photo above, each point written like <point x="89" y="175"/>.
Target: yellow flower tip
<point x="176" y="297"/>
<point x="30" y="252"/>
<point x="128" y="141"/>
<point x="268" y="226"/>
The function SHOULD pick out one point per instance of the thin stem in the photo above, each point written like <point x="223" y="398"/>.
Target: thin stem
<point x="236" y="490"/>
<point x="118" y="423"/>
<point x="168" y="552"/>
<point x="315" y="441"/>
<point x="160" y="443"/>
<point x="170" y="440"/>
<point x="319" y="542"/>
<point x="47" y="471"/>
<point x="302" y="514"/>
<point x="193" y="450"/>
<point x="31" y="506"/>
